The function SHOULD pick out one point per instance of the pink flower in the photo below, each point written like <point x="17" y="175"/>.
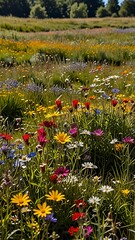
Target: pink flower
<point x="98" y="132"/>
<point x="73" y="132"/>
<point x="61" y="171"/>
<point x="128" y="139"/>
<point x="87" y="231"/>
<point x="42" y="136"/>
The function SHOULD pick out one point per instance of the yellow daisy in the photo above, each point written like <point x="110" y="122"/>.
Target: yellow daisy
<point x="43" y="210"/>
<point x="125" y="191"/>
<point x="20" y="200"/>
<point x="55" y="196"/>
<point x="62" y="138"/>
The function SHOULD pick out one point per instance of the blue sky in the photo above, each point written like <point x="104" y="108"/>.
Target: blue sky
<point x="106" y="1"/>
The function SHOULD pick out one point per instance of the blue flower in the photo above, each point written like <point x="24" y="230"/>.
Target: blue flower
<point x="115" y="90"/>
<point x="50" y="218"/>
<point x="32" y="154"/>
<point x="97" y="111"/>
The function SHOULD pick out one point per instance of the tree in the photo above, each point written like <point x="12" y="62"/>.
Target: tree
<point x="113" y="6"/>
<point x="92" y="6"/>
<point x="79" y="10"/>
<point x="38" y="11"/>
<point x="51" y="8"/>
<point x="18" y="8"/>
<point x="102" y="12"/>
<point x="127" y="8"/>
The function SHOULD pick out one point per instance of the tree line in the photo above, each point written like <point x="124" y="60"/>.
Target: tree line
<point x="66" y="8"/>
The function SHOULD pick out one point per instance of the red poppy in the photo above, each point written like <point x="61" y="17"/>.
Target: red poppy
<point x="6" y="136"/>
<point x="87" y="105"/>
<point x="26" y="138"/>
<point x="77" y="215"/>
<point x="48" y="124"/>
<point x="114" y="102"/>
<point x="80" y="203"/>
<point x="59" y="104"/>
<point x="75" y="103"/>
<point x="73" y="230"/>
<point x="53" y="178"/>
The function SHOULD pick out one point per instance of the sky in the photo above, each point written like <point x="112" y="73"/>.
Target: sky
<point x="106" y="1"/>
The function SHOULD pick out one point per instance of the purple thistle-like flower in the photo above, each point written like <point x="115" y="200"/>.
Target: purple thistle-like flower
<point x="61" y="171"/>
<point x="50" y="218"/>
<point x="128" y="139"/>
<point x="98" y="132"/>
<point x="87" y="231"/>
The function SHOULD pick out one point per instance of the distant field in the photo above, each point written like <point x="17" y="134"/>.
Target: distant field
<point x="34" y="25"/>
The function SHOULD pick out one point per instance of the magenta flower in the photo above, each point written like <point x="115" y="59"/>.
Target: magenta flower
<point x="128" y="139"/>
<point x="61" y="171"/>
<point x="87" y="231"/>
<point x="41" y="136"/>
<point x="98" y="132"/>
<point x="73" y="132"/>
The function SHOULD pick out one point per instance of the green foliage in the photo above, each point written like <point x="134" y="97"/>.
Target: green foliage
<point x="112" y="6"/>
<point x="102" y="12"/>
<point x="127" y="8"/>
<point x="78" y="10"/>
<point x="37" y="11"/>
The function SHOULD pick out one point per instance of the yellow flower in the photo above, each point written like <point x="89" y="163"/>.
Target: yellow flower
<point x="43" y="210"/>
<point x="125" y="191"/>
<point x="118" y="146"/>
<point x="20" y="200"/>
<point x="62" y="138"/>
<point x="55" y="196"/>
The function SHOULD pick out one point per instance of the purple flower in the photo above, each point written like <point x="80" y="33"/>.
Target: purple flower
<point x="128" y="139"/>
<point x="50" y="218"/>
<point x="73" y="132"/>
<point x="61" y="171"/>
<point x="97" y="111"/>
<point x="98" y="132"/>
<point x="87" y="231"/>
<point x="115" y="90"/>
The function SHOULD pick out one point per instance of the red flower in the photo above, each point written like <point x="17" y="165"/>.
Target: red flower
<point x="53" y="178"/>
<point x="73" y="230"/>
<point x="59" y="104"/>
<point x="42" y="136"/>
<point x="114" y="102"/>
<point x="26" y="138"/>
<point x="77" y="215"/>
<point x="75" y="103"/>
<point x="87" y="105"/>
<point x="47" y="124"/>
<point x="80" y="203"/>
<point x="6" y="136"/>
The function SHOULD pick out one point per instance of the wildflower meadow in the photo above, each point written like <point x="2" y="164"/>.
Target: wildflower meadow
<point x="67" y="133"/>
